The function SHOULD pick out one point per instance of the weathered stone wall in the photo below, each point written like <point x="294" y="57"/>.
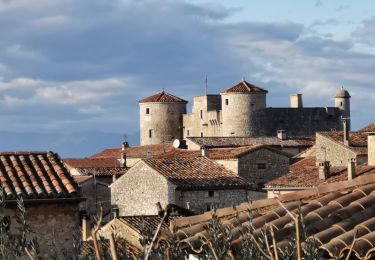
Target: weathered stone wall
<point x="164" y="120"/>
<point x="336" y="154"/>
<point x="230" y="164"/>
<point x="200" y="201"/>
<point x="237" y="111"/>
<point x="138" y="191"/>
<point x="122" y="231"/>
<point x="371" y="149"/>
<point x="205" y="118"/>
<point x="276" y="165"/>
<point x="296" y="121"/>
<point x="49" y="223"/>
<point x="276" y="193"/>
<point x="101" y="195"/>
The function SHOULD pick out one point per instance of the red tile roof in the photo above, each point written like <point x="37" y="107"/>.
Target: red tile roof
<point x="142" y="223"/>
<point x="135" y="151"/>
<point x="197" y="173"/>
<point x="305" y="173"/>
<point x="357" y="140"/>
<point x="35" y="175"/>
<point x="370" y="128"/>
<point x="100" y="166"/>
<point x="331" y="214"/>
<point x="245" y="87"/>
<point x="163" y="97"/>
<point x="251" y="141"/>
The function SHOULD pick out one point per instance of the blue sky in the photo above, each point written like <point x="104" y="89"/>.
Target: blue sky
<point x="70" y="67"/>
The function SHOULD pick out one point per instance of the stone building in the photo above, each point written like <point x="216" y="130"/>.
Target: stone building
<point x="198" y="184"/>
<point x="50" y="194"/>
<point x="94" y="175"/>
<point x="332" y="147"/>
<point x="238" y="111"/>
<point x="161" y="118"/>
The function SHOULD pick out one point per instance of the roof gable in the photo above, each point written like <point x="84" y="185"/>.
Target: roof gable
<point x="163" y="97"/>
<point x="357" y="140"/>
<point x="245" y="87"/>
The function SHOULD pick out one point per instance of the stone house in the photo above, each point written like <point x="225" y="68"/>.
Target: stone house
<point x="256" y="164"/>
<point x="197" y="183"/>
<point x="50" y="194"/>
<point x="338" y="149"/>
<point x="94" y="177"/>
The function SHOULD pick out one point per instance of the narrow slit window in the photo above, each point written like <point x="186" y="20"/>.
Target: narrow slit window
<point x="150" y="133"/>
<point x="211" y="193"/>
<point x="226" y="102"/>
<point x="201" y="113"/>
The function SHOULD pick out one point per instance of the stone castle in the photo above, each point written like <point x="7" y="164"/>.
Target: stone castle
<point x="238" y="111"/>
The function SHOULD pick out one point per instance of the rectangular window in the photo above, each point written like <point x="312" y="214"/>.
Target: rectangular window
<point x="211" y="193"/>
<point x="147" y="111"/>
<point x="188" y="132"/>
<point x="262" y="166"/>
<point x="226" y="102"/>
<point x="150" y="133"/>
<point x="201" y="134"/>
<point x="201" y="113"/>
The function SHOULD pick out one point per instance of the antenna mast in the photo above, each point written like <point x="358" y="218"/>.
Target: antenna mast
<point x="206" y="81"/>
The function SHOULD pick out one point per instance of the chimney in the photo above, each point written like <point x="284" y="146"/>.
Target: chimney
<point x="296" y="101"/>
<point x="123" y="153"/>
<point x="371" y="148"/>
<point x="115" y="211"/>
<point x="351" y="168"/>
<point x="281" y="134"/>
<point x="86" y="228"/>
<point x="324" y="170"/>
<point x="345" y="122"/>
<point x="204" y="151"/>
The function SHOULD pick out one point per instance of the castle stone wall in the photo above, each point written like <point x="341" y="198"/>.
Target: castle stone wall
<point x="296" y="121"/>
<point x="237" y="110"/>
<point x="164" y="121"/>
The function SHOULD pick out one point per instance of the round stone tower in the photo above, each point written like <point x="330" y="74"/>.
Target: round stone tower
<point x="342" y="101"/>
<point x="161" y="118"/>
<point x="239" y="102"/>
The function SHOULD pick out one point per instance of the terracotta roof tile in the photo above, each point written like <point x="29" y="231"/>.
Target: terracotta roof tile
<point x="34" y="175"/>
<point x="305" y="173"/>
<point x="100" y="166"/>
<point x="197" y="173"/>
<point x="163" y="97"/>
<point x="139" y="223"/>
<point x="210" y="142"/>
<point x="332" y="214"/>
<point x="370" y="128"/>
<point x="245" y="87"/>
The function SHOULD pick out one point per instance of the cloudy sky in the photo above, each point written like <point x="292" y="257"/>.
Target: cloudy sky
<point x="71" y="67"/>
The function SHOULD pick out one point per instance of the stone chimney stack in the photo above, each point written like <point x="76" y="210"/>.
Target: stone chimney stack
<point x="351" y="169"/>
<point x="204" y="151"/>
<point x="86" y="228"/>
<point x="371" y="148"/>
<point x="296" y="101"/>
<point x="345" y="123"/>
<point x="324" y="168"/>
